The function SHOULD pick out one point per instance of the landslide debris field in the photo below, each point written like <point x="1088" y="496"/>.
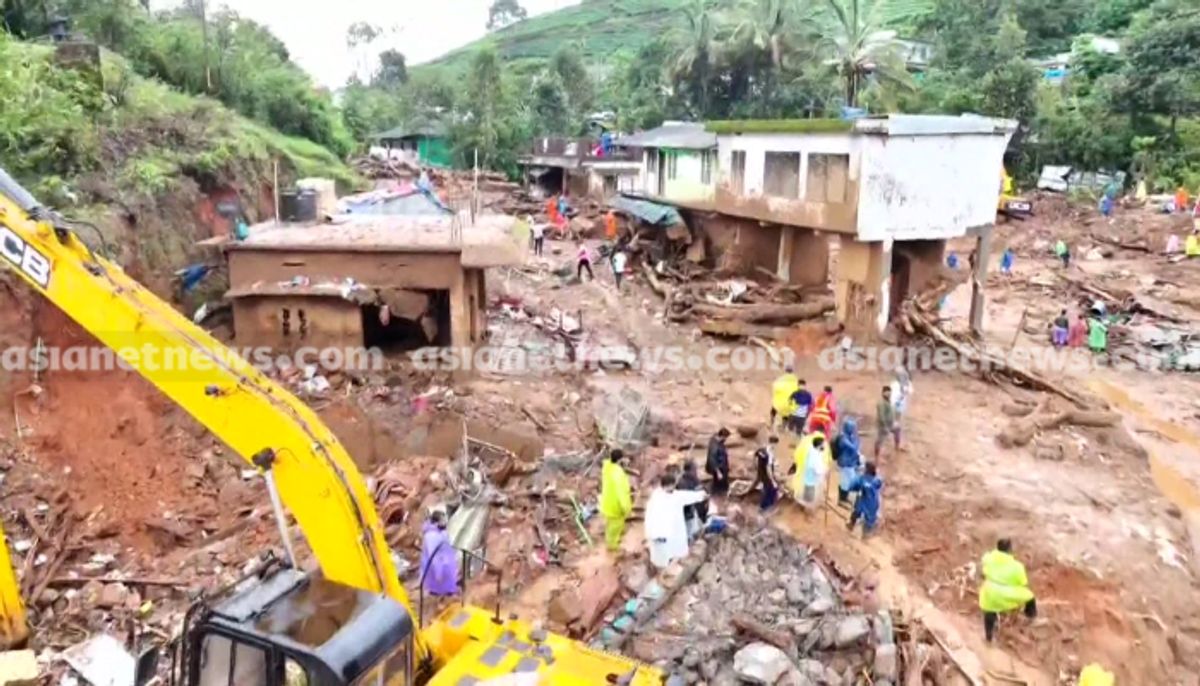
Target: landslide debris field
<point x="119" y="508"/>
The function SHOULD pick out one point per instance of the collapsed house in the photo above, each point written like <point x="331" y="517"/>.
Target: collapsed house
<point x="770" y="196"/>
<point x="393" y="270"/>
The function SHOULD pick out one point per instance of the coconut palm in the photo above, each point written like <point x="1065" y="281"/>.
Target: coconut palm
<point x="771" y="26"/>
<point x="858" y="40"/>
<point x="695" y="60"/>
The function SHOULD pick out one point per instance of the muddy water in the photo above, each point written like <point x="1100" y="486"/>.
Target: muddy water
<point x="1170" y="481"/>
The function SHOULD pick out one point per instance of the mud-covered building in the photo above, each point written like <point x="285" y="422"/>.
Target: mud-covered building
<point x="394" y="282"/>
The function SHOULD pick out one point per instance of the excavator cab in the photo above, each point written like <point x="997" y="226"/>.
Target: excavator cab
<point x="289" y="628"/>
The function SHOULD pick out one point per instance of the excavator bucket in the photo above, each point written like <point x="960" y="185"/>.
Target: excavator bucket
<point x="14" y="629"/>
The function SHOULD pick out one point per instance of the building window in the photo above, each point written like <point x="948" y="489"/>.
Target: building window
<point x="287" y="322"/>
<point x="672" y="165"/>
<point x="737" y="172"/>
<point x="706" y="166"/>
<point x="303" y="323"/>
<point x="827" y="176"/>
<point x="781" y="174"/>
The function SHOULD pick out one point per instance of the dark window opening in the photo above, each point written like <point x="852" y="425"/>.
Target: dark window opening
<point x="393" y="333"/>
<point x="303" y="323"/>
<point x="287" y="322"/>
<point x="827" y="178"/>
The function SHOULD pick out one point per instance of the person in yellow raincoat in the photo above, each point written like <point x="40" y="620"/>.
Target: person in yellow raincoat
<point x="1095" y="675"/>
<point x="812" y="459"/>
<point x="616" y="499"/>
<point x="1191" y="246"/>
<point x="1005" y="587"/>
<point x="781" y="394"/>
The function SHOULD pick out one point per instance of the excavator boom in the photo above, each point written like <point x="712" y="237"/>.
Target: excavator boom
<point x="314" y="475"/>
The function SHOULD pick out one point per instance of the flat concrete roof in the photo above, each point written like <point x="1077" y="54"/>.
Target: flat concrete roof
<point x="489" y="243"/>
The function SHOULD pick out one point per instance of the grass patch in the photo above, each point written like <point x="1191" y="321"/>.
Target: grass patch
<point x="779" y="126"/>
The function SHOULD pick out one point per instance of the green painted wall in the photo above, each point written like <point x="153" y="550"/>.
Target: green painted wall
<point x="434" y="151"/>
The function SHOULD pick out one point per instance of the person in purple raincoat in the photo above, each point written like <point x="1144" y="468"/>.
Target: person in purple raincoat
<point x="439" y="561"/>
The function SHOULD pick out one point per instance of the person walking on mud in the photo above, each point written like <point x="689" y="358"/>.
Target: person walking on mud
<point x="885" y="422"/>
<point x="584" y="259"/>
<point x="1005" y="587"/>
<point x="717" y="464"/>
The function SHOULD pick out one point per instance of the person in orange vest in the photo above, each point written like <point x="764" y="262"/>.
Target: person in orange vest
<point x="824" y="413"/>
<point x="1181" y="199"/>
<point x="610" y="225"/>
<point x="552" y="209"/>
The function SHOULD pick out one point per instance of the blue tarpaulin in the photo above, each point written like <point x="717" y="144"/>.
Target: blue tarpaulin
<point x="649" y="212"/>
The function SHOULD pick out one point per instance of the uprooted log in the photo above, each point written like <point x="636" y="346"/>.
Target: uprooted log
<point x="1022" y="431"/>
<point x="762" y="313"/>
<point x="759" y="631"/>
<point x="1140" y="247"/>
<point x="917" y="322"/>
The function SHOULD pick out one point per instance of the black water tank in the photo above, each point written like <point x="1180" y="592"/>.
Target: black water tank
<point x="287" y="206"/>
<point x="306" y="206"/>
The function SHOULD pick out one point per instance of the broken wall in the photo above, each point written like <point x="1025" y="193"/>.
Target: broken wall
<point x="806" y="261"/>
<point x="861" y="289"/>
<point x="735" y="244"/>
<point x="292" y="322"/>
<point x="925" y="260"/>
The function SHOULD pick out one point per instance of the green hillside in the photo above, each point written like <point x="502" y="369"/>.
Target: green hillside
<point x="600" y="27"/>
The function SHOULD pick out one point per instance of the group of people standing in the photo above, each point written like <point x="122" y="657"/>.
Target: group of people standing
<point x="823" y="442"/>
<point x="1073" y="331"/>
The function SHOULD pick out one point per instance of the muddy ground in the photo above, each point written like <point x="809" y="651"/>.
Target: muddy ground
<point x="1098" y="515"/>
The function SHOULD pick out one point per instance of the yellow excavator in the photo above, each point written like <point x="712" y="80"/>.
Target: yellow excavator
<point x="348" y="623"/>
<point x="1011" y="205"/>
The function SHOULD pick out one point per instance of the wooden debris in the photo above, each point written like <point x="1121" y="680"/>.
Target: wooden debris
<point x="727" y="327"/>
<point x="780" y="639"/>
<point x="767" y="312"/>
<point x="1021" y="432"/>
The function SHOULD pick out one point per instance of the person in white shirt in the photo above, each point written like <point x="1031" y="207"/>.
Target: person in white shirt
<point x="666" y="528"/>
<point x="619" y="259"/>
<point x="538" y="231"/>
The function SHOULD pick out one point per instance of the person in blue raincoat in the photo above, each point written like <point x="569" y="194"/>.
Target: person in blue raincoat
<point x="866" y="508"/>
<point x="847" y="452"/>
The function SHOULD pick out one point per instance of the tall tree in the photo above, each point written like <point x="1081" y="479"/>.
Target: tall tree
<point x="696" y="56"/>
<point x="503" y="13"/>
<point x="770" y="26"/>
<point x="551" y="113"/>
<point x="859" y="41"/>
<point x="393" y="70"/>
<point x="573" y="75"/>
<point x="1164" y="60"/>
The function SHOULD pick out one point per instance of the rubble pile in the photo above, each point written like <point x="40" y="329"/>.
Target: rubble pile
<point x="765" y="609"/>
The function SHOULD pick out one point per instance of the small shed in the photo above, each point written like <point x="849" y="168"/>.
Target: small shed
<point x="430" y="143"/>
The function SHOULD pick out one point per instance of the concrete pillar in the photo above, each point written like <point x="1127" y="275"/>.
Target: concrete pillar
<point x="863" y="284"/>
<point x="460" y="311"/>
<point x="983" y="249"/>
<point x="787" y="245"/>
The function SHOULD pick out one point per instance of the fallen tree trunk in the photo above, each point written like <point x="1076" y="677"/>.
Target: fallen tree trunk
<point x="765" y="312"/>
<point x="1021" y="432"/>
<point x="1126" y="246"/>
<point x="990" y="363"/>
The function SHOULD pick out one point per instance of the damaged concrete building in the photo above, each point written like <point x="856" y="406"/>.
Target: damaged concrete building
<point x="577" y="167"/>
<point x="893" y="190"/>
<point x="393" y="282"/>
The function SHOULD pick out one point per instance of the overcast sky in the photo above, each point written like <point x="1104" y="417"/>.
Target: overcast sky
<point x="315" y="32"/>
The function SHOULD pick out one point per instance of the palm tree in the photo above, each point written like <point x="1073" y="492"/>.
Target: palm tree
<point x="695" y="61"/>
<point x="770" y="26"/>
<point x="858" y="42"/>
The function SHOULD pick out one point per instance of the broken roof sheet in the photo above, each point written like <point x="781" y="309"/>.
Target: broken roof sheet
<point x="647" y="211"/>
<point x="686" y="136"/>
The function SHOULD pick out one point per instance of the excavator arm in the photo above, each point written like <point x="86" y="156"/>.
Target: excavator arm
<point x="256" y="417"/>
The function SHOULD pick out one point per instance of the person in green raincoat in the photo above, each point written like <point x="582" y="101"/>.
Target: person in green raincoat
<point x="1005" y="587"/>
<point x="1097" y="333"/>
<point x="616" y="499"/>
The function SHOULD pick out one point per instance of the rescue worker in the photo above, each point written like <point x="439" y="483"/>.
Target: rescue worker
<point x="847" y="451"/>
<point x="781" y="395"/>
<point x="439" y="559"/>
<point x="666" y="529"/>
<point x="1095" y="675"/>
<point x="1097" y="333"/>
<point x="764" y="474"/>
<point x="616" y="499"/>
<point x="610" y="226"/>
<point x="810" y="463"/>
<point x="823" y="417"/>
<point x="1005" y="587"/>
<point x="1191" y="246"/>
<point x="717" y="462"/>
<point x="868" y="485"/>
<point x="802" y="402"/>
<point x="695" y="515"/>
<point x="1063" y="252"/>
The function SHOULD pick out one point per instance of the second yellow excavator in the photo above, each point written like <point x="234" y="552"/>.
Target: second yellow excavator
<point x="349" y="623"/>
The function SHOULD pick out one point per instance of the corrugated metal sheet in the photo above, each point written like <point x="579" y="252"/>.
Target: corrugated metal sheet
<point x="682" y="136"/>
<point x="649" y="212"/>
